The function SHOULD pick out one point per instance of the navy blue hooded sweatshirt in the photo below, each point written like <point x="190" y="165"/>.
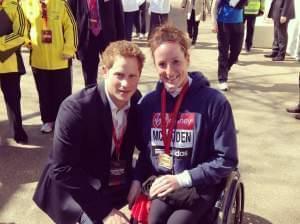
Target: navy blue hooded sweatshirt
<point x="203" y="140"/>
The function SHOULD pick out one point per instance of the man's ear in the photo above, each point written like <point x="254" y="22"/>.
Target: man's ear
<point x="104" y="71"/>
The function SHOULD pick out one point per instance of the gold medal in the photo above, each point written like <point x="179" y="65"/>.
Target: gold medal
<point x="166" y="161"/>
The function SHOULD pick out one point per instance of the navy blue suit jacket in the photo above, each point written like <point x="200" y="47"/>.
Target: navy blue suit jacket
<point x="282" y="8"/>
<point x="80" y="158"/>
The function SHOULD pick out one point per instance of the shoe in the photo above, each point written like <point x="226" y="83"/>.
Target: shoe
<point x="297" y="116"/>
<point x="272" y="55"/>
<point x="223" y="86"/>
<point x="135" y="35"/>
<point x="247" y="49"/>
<point x="21" y="136"/>
<point x="193" y="42"/>
<point x="295" y="109"/>
<point x="278" y="58"/>
<point x="47" y="127"/>
<point x="142" y="36"/>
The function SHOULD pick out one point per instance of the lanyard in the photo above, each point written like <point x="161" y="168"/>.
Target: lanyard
<point x="118" y="141"/>
<point x="167" y="137"/>
<point x="44" y="13"/>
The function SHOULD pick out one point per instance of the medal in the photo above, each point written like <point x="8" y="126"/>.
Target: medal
<point x="166" y="161"/>
<point x="117" y="173"/>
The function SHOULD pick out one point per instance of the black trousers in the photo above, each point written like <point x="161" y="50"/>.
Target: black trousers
<point x="140" y="19"/>
<point x="10" y="86"/>
<point x="230" y="41"/>
<point x="280" y="38"/>
<point x="90" y="62"/>
<point x="53" y="87"/>
<point x="129" y="21"/>
<point x="163" y="213"/>
<point x="192" y="27"/>
<point x="250" y="24"/>
<point x="156" y="20"/>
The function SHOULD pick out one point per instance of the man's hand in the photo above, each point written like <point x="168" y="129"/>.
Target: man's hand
<point x="163" y="185"/>
<point x="283" y="19"/>
<point x="115" y="217"/>
<point x="134" y="192"/>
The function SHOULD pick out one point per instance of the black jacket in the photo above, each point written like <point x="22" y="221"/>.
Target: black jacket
<point x="81" y="157"/>
<point x="282" y="8"/>
<point x="112" y="23"/>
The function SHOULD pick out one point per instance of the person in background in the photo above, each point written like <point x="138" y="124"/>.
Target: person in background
<point x="187" y="137"/>
<point x="52" y="42"/>
<point x="131" y="10"/>
<point x="140" y="20"/>
<point x="281" y="11"/>
<point x="227" y="22"/>
<point x="195" y="11"/>
<point x="159" y="13"/>
<point x="99" y="22"/>
<point x="88" y="173"/>
<point x="293" y="45"/>
<point x="12" y="32"/>
<point x="253" y="9"/>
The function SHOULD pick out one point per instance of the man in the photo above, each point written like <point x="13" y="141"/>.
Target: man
<point x="88" y="172"/>
<point x="227" y="19"/>
<point x="252" y="10"/>
<point x="99" y="22"/>
<point x="281" y="11"/>
<point x="12" y="31"/>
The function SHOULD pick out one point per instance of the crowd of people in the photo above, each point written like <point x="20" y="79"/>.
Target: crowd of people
<point x="184" y="129"/>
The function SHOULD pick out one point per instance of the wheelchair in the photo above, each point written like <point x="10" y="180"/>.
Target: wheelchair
<point x="229" y="208"/>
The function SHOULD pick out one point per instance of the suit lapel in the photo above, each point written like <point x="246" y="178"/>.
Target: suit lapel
<point x="106" y="113"/>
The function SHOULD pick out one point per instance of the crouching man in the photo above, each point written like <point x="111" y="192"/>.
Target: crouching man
<point x="87" y="176"/>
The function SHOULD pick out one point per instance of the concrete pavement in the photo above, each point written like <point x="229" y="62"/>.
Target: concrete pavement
<point x="268" y="137"/>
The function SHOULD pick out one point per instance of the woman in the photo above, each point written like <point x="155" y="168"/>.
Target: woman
<point x="188" y="138"/>
<point x="53" y="41"/>
<point x="12" y="31"/>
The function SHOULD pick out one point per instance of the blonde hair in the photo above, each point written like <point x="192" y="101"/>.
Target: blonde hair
<point x="125" y="49"/>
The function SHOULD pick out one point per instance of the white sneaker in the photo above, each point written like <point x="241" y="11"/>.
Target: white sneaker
<point x="135" y="35"/>
<point x="223" y="86"/>
<point x="142" y="36"/>
<point x="47" y="127"/>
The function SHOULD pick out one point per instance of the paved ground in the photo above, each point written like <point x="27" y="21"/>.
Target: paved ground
<point x="268" y="137"/>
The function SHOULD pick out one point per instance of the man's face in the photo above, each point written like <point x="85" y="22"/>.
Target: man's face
<point x="121" y="79"/>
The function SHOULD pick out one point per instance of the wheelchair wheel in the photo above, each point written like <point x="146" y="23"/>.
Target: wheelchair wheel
<point x="237" y="210"/>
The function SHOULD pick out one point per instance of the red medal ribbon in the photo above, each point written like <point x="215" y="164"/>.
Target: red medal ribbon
<point x="44" y="13"/>
<point x="118" y="141"/>
<point x="167" y="137"/>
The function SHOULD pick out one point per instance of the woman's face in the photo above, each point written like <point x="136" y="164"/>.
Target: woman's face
<point x="172" y="65"/>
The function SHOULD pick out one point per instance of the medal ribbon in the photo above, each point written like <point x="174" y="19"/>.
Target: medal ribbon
<point x="118" y="141"/>
<point x="44" y="14"/>
<point x="167" y="137"/>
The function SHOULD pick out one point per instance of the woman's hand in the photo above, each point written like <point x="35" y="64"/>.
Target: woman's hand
<point x="163" y="185"/>
<point x="134" y="192"/>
